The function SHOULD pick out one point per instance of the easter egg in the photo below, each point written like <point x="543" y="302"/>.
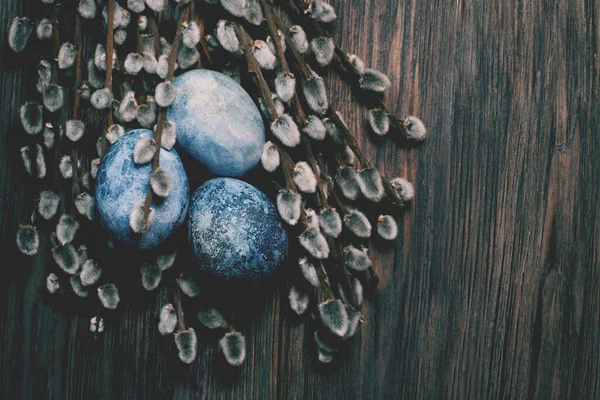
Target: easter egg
<point x="235" y="231"/>
<point x="217" y="122"/>
<point x="120" y="184"/>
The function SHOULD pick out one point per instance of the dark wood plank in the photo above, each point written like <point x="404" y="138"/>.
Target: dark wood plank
<point x="492" y="288"/>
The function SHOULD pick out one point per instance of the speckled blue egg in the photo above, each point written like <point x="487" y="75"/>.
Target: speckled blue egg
<point x="235" y="231"/>
<point x="217" y="122"/>
<point x="121" y="183"/>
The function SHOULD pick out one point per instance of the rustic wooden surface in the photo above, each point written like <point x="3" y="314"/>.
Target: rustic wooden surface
<point x="493" y="289"/>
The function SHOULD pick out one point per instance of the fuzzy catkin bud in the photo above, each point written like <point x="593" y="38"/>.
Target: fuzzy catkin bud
<point x="74" y="130"/>
<point x="387" y="227"/>
<point x="48" y="204"/>
<point x="334" y="316"/>
<point x="151" y="276"/>
<point x="161" y="182"/>
<point x="67" y="54"/>
<point x="87" y="9"/>
<point x="323" y="49"/>
<point x="285" y="86"/>
<point x="108" y="294"/>
<point x="322" y="12"/>
<point x="168" y="320"/>
<point x="309" y="272"/>
<point x="298" y="36"/>
<point x="90" y="273"/>
<point x="212" y="318"/>
<point x="235" y="7"/>
<point x="66" y="229"/>
<point x="358" y="224"/>
<point x="233" y="345"/>
<point x="270" y="157"/>
<point x="404" y="189"/>
<point x="379" y="121"/>
<point x="85" y="205"/>
<point x="114" y="132"/>
<point x="45" y="29"/>
<point x="67" y="258"/>
<point x="315" y="93"/>
<point x="54" y="98"/>
<point x="169" y="135"/>
<point x="298" y="301"/>
<point x="65" y="166"/>
<point x="331" y="222"/>
<point x="19" y="33"/>
<point x="371" y="184"/>
<point x="415" y="129"/>
<point x="263" y="55"/>
<point x="77" y="287"/>
<point x="187" y="344"/>
<point x="134" y="62"/>
<point x="144" y="150"/>
<point x="227" y="37"/>
<point x="166" y="261"/>
<point x="28" y="240"/>
<point x="187" y="57"/>
<point x="32" y="117"/>
<point x="136" y="218"/>
<point x="44" y="76"/>
<point x="165" y="94"/>
<point x="289" y="206"/>
<point x="314" y="243"/>
<point x="304" y="178"/>
<point x="286" y="131"/>
<point x="356" y="259"/>
<point x="101" y="99"/>
<point x="137" y="6"/>
<point x="347" y="181"/>
<point x="253" y="12"/>
<point x="188" y="286"/>
<point x="375" y="81"/>
<point x="315" y="129"/>
<point x="190" y="35"/>
<point x="52" y="283"/>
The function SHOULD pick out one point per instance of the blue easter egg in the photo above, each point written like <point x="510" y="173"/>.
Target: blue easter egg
<point x="217" y="122"/>
<point x="121" y="183"/>
<point x="235" y="230"/>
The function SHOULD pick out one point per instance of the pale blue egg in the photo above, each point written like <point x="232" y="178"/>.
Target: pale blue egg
<point x="121" y="183"/>
<point x="217" y="122"/>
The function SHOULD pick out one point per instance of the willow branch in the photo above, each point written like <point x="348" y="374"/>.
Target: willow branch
<point x="179" y="309"/>
<point x="162" y="115"/>
<point x="76" y="102"/>
<point x="347" y="64"/>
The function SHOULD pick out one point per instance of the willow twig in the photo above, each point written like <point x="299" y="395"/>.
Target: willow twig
<point x="331" y="113"/>
<point x="179" y="309"/>
<point x="162" y="115"/>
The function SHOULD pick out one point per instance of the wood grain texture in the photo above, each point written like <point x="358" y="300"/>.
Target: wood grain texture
<point x="493" y="287"/>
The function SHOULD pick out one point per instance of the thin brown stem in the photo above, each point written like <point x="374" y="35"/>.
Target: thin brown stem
<point x="298" y="111"/>
<point x="324" y="281"/>
<point x="268" y="13"/>
<point x="56" y="39"/>
<point x="110" y="44"/>
<point x="162" y="114"/>
<point x="179" y="309"/>
<point x="300" y="64"/>
<point x="76" y="102"/>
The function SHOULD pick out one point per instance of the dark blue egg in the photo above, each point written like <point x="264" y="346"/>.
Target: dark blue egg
<point x="235" y="230"/>
<point x="217" y="122"/>
<point x="121" y="183"/>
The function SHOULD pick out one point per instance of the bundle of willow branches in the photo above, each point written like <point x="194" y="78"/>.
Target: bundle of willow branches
<point x="330" y="194"/>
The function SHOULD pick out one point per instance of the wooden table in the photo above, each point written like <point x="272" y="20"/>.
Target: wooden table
<point x="493" y="289"/>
